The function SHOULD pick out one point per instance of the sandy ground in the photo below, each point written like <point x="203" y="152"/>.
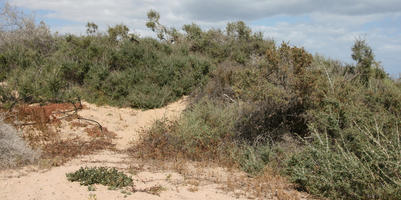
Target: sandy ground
<point x="34" y="183"/>
<point x="127" y="123"/>
<point x="52" y="184"/>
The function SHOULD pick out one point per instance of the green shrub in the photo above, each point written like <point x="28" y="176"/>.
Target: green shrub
<point x="254" y="158"/>
<point x="122" y="69"/>
<point x="204" y="132"/>
<point x="100" y="175"/>
<point x="269" y="121"/>
<point x="206" y="126"/>
<point x="353" y="150"/>
<point x="368" y="168"/>
<point x="316" y="99"/>
<point x="122" y="74"/>
<point x="249" y="94"/>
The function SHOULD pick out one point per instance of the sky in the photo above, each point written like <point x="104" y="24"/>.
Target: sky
<point x="325" y="27"/>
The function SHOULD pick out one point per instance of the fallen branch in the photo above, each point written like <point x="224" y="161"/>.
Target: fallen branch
<point x="91" y="120"/>
<point x="78" y="117"/>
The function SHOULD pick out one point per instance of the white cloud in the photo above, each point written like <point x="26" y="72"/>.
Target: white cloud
<point x="246" y="9"/>
<point x="102" y="12"/>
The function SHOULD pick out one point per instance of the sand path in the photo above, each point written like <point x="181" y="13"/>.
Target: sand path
<point x="53" y="185"/>
<point x="33" y="183"/>
<point x="127" y="123"/>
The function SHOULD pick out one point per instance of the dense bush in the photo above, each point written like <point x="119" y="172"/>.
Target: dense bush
<point x="116" y="68"/>
<point x="203" y="134"/>
<point x="362" y="164"/>
<point x="343" y="123"/>
<point x="144" y="75"/>
<point x="249" y="96"/>
<point x="206" y="132"/>
<point x="354" y="149"/>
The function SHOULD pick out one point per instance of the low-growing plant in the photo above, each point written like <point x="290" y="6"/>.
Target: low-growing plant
<point x="110" y="177"/>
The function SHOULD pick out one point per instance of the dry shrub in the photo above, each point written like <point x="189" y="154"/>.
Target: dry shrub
<point x="39" y="115"/>
<point x="219" y="84"/>
<point x="78" y="124"/>
<point x="100" y="132"/>
<point x="41" y="131"/>
<point x="203" y="134"/>
<point x="68" y="149"/>
<point x="39" y="121"/>
<point x="18" y="27"/>
<point x="154" y="190"/>
<point x="268" y="185"/>
<point x="13" y="149"/>
<point x="156" y="143"/>
<point x="272" y="182"/>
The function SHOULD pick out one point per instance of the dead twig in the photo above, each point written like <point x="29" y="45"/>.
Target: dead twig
<point x="91" y="120"/>
<point x="75" y="110"/>
<point x="81" y="118"/>
<point x="228" y="97"/>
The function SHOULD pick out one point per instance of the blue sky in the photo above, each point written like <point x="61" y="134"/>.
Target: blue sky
<point x="325" y="27"/>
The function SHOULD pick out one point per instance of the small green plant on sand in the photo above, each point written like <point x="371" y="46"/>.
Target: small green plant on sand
<point x="100" y="175"/>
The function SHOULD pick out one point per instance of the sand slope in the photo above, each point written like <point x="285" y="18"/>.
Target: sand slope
<point x="127" y="122"/>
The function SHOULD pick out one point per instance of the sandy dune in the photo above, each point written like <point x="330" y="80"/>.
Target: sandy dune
<point x="127" y="122"/>
<point x="34" y="183"/>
